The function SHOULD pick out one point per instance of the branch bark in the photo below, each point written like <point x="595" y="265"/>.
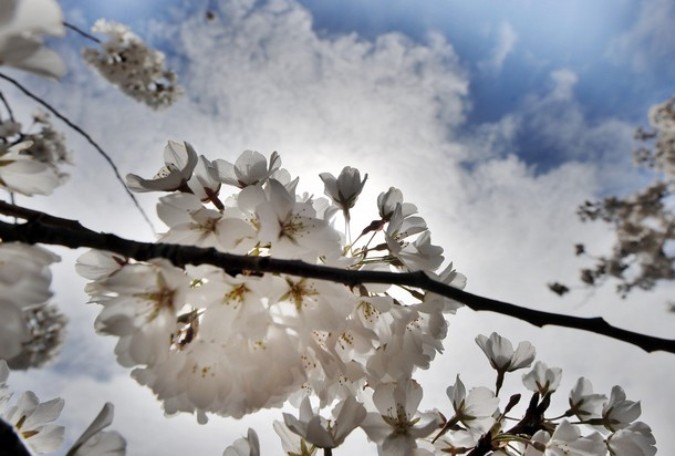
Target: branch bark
<point x="46" y="229"/>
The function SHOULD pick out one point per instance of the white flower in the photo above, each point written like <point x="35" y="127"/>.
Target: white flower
<point x="13" y="330"/>
<point x="618" y="412"/>
<point x="94" y="441"/>
<point x="125" y="61"/>
<point x="23" y="23"/>
<point x="180" y="161"/>
<point x="636" y="439"/>
<point x="396" y="425"/>
<point x="542" y="379"/>
<point x="291" y="442"/>
<point x="387" y="202"/>
<point x="22" y="173"/>
<point x="204" y="181"/>
<point x="140" y="304"/>
<point x="474" y="410"/>
<point x="193" y="224"/>
<point x="24" y="272"/>
<point x="449" y="276"/>
<point x="245" y="446"/>
<point x="249" y="169"/>
<point x="417" y="255"/>
<point x="290" y="227"/>
<point x="566" y="441"/>
<point x="345" y="189"/>
<point x="502" y="357"/>
<point x="43" y="326"/>
<point x="31" y="418"/>
<point x="323" y="433"/>
<point x="583" y="403"/>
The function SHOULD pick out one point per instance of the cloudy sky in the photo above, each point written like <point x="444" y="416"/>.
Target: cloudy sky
<point x="496" y="118"/>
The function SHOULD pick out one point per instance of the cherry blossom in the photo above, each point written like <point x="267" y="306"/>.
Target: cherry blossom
<point x="542" y="379"/>
<point x="31" y="419"/>
<point x="136" y="69"/>
<point x="250" y="169"/>
<point x="23" y="24"/>
<point x="618" y="412"/>
<point x="245" y="446"/>
<point x="566" y="440"/>
<point x="636" y="439"/>
<point x="474" y="410"/>
<point x="502" y="357"/>
<point x="397" y="425"/>
<point x="180" y="161"/>
<point x="387" y="202"/>
<point x="21" y="173"/>
<point x="95" y="441"/>
<point x="323" y="433"/>
<point x="345" y="189"/>
<point x="583" y="403"/>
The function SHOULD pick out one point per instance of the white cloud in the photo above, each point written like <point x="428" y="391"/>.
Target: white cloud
<point x="507" y="38"/>
<point x="554" y="120"/>
<point x="649" y="44"/>
<point x="261" y="78"/>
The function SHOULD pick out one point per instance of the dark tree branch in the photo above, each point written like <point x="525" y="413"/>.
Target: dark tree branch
<point x="81" y="32"/>
<point x="86" y="136"/>
<point x="47" y="229"/>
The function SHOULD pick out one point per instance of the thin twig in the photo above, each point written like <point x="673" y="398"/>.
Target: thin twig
<point x="47" y="229"/>
<point x="89" y="139"/>
<point x="79" y="31"/>
<point x="7" y="107"/>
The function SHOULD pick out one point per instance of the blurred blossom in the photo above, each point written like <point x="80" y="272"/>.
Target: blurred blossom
<point x="23" y="24"/>
<point x="125" y="61"/>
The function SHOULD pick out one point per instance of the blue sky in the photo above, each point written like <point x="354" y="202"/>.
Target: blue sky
<point x="496" y="118"/>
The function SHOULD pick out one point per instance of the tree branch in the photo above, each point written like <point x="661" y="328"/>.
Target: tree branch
<point x="47" y="229"/>
<point x="89" y="139"/>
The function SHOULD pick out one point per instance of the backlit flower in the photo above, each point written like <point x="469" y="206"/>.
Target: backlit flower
<point x="542" y="379"/>
<point x="180" y="161"/>
<point x="345" y="189"/>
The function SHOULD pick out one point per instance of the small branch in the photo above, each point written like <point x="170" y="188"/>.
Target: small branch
<point x="47" y="229"/>
<point x="81" y="32"/>
<point x="86" y="136"/>
<point x="7" y="107"/>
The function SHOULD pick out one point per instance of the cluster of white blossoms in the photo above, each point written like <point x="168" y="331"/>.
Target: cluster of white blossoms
<point x="31" y="161"/>
<point x="31" y="329"/>
<point x="643" y="221"/>
<point x="27" y="426"/>
<point x="208" y="342"/>
<point x="662" y="155"/>
<point x="205" y="341"/>
<point x="125" y="61"/>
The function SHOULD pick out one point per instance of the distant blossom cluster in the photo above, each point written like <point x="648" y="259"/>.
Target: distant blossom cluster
<point x="127" y="62"/>
<point x="208" y="342"/>
<point x="644" y="222"/>
<point x="31" y="160"/>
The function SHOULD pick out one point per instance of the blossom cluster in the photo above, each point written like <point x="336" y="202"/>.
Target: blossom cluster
<point x="205" y="341"/>
<point x="31" y="329"/>
<point x="125" y="61"/>
<point x="33" y="430"/>
<point x="231" y="343"/>
<point x="31" y="160"/>
<point x="594" y="424"/>
<point x="643" y="222"/>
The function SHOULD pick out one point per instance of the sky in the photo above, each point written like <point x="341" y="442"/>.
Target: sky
<point x="497" y="119"/>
